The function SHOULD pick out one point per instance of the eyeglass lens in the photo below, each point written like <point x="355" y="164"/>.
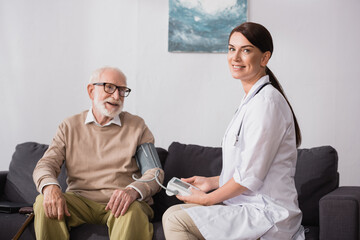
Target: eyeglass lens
<point x="111" y="88"/>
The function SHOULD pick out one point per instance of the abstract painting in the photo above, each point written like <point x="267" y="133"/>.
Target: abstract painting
<point x="203" y="25"/>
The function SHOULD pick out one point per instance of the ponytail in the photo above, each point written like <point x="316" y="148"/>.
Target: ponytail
<point x="277" y="85"/>
<point x="260" y="37"/>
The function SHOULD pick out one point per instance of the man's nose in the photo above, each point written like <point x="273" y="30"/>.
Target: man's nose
<point x="116" y="94"/>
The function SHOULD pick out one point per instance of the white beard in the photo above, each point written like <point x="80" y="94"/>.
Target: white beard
<point x="100" y="106"/>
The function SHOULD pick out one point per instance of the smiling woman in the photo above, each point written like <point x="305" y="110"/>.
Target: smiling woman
<point x="246" y="61"/>
<point x="256" y="40"/>
<point x="255" y="190"/>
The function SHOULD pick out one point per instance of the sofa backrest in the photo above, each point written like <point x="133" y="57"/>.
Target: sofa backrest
<point x="19" y="186"/>
<point x="186" y="160"/>
<point x="316" y="174"/>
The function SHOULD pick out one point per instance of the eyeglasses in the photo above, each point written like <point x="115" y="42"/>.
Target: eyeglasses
<point x="111" y="88"/>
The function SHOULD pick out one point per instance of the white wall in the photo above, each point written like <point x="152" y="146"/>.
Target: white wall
<point x="48" y="49"/>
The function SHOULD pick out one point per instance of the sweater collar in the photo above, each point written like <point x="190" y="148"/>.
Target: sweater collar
<point x="90" y="118"/>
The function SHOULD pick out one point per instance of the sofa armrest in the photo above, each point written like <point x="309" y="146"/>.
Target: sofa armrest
<point x="3" y="175"/>
<point x="340" y="214"/>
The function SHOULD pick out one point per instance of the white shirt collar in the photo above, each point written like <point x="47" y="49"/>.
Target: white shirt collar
<point x="91" y="118"/>
<point x="255" y="87"/>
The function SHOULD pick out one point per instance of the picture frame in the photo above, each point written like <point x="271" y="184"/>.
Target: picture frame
<point x="203" y="25"/>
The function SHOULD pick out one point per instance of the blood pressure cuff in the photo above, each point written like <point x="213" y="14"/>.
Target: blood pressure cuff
<point x="147" y="158"/>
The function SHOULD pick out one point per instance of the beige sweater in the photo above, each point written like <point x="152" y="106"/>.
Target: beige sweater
<point x="98" y="159"/>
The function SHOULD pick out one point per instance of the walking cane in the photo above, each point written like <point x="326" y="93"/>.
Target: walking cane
<point x="30" y="213"/>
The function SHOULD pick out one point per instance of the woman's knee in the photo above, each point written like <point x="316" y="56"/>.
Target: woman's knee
<point x="178" y="224"/>
<point x="174" y="218"/>
<point x="173" y="211"/>
<point x="168" y="213"/>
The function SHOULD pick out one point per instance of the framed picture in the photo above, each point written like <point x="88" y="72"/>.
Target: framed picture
<point x="203" y="25"/>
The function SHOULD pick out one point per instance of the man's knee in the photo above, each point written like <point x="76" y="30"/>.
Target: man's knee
<point x="136" y="213"/>
<point x="134" y="224"/>
<point x="38" y="205"/>
<point x="140" y="208"/>
<point x="135" y="206"/>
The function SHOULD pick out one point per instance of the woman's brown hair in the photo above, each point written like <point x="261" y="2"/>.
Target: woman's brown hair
<point x="261" y="38"/>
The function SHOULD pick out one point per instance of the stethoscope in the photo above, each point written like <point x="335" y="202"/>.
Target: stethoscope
<point x="238" y="133"/>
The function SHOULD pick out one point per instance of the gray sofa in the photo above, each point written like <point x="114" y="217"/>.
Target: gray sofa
<point x="329" y="211"/>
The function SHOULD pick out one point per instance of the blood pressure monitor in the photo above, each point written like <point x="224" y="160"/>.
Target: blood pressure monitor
<point x="177" y="187"/>
<point x="147" y="158"/>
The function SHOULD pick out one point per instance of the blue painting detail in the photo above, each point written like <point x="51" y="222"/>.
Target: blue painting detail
<point x="203" y="25"/>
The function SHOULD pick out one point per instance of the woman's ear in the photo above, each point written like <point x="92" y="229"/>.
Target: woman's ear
<point x="265" y="58"/>
<point x="90" y="89"/>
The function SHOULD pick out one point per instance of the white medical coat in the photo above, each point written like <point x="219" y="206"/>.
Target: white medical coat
<point x="261" y="157"/>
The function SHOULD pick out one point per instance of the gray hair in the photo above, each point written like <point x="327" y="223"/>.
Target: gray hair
<point x="95" y="76"/>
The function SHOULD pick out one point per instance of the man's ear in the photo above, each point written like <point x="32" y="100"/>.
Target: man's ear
<point x="265" y="58"/>
<point x="91" y="89"/>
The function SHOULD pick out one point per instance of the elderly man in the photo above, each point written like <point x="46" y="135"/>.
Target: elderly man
<point x="98" y="148"/>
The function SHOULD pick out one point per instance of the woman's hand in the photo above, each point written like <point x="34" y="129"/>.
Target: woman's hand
<point x="229" y="190"/>
<point x="197" y="197"/>
<point x="205" y="184"/>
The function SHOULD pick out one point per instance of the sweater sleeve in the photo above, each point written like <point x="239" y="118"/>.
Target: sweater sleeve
<point x="147" y="188"/>
<point x="48" y="167"/>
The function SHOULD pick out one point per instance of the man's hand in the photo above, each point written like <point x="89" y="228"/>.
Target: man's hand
<point x="121" y="200"/>
<point x="54" y="202"/>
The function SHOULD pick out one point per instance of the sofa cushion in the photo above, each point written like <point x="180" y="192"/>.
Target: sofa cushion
<point x="186" y="161"/>
<point x="19" y="185"/>
<point x="316" y="175"/>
